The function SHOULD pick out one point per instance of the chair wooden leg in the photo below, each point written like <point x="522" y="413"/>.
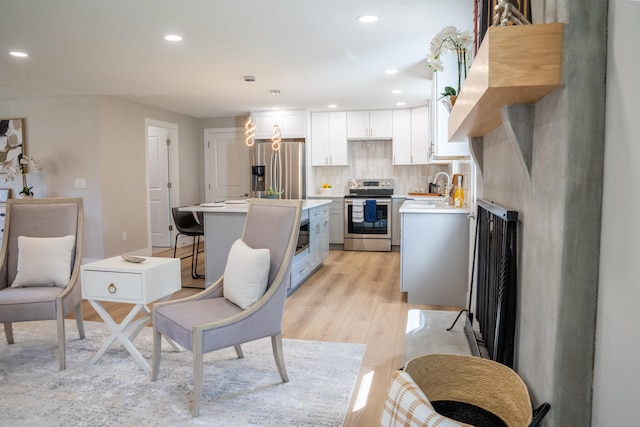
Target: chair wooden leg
<point x="157" y="347"/>
<point x="276" y="343"/>
<point x="8" y="332"/>
<point x="80" y="320"/>
<point x="62" y="354"/>
<point x="198" y="379"/>
<point x="239" y="351"/>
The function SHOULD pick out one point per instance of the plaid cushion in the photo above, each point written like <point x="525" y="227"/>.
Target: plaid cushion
<point x="406" y="405"/>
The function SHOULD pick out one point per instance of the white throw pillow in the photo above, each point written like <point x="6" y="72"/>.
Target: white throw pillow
<point x="246" y="274"/>
<point x="44" y="261"/>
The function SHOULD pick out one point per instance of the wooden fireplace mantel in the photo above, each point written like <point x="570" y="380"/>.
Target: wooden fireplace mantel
<point x="515" y="65"/>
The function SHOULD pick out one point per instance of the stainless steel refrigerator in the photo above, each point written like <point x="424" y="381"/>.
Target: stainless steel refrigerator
<point x="282" y="170"/>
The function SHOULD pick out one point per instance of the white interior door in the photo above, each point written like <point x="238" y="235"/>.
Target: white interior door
<point x="159" y="187"/>
<point x="227" y="168"/>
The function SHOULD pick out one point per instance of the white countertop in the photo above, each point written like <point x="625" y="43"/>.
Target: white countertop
<point x="236" y="207"/>
<point x="430" y="207"/>
<point x="326" y="196"/>
<point x="416" y="197"/>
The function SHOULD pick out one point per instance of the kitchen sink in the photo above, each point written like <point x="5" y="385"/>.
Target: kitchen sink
<point x="426" y="205"/>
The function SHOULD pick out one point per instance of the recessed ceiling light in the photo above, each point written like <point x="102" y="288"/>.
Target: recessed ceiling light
<point x="400" y="104"/>
<point x="391" y="71"/>
<point x="18" y="54"/>
<point x="367" y="19"/>
<point x="173" y="38"/>
<point x="275" y="92"/>
<point x="397" y="91"/>
<point x="332" y="106"/>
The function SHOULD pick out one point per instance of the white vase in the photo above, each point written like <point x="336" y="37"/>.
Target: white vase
<point x="449" y="101"/>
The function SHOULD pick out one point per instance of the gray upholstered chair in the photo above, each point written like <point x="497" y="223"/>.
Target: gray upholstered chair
<point x="208" y="321"/>
<point x="41" y="301"/>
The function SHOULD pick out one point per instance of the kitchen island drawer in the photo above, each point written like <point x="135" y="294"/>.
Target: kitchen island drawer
<point x="300" y="268"/>
<point x="109" y="285"/>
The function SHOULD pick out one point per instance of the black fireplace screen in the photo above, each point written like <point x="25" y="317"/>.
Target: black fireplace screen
<point x="496" y="302"/>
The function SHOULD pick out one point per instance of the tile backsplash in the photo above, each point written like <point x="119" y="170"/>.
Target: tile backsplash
<point x="374" y="159"/>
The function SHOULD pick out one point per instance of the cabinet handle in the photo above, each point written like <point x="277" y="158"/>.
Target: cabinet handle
<point x="112" y="288"/>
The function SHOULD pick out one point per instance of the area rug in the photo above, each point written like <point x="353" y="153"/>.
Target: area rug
<point x="116" y="391"/>
<point x="426" y="333"/>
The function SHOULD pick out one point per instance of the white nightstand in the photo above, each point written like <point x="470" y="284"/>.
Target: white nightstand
<point x="117" y="280"/>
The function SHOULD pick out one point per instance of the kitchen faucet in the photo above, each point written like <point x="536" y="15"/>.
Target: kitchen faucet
<point x="447" y="198"/>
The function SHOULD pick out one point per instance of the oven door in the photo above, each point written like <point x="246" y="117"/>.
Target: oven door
<point x="368" y="224"/>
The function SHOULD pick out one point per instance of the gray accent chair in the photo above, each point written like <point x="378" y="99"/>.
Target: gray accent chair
<point x="207" y="321"/>
<point x="41" y="218"/>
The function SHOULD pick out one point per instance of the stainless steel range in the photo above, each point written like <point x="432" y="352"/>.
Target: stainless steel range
<point x="367" y="215"/>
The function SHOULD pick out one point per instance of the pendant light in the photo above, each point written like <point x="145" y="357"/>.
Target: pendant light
<point x="249" y="126"/>
<point x="275" y="139"/>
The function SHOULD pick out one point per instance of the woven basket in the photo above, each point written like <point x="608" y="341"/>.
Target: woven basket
<point x="469" y="379"/>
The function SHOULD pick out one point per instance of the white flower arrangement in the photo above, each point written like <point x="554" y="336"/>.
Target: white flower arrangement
<point x="450" y="39"/>
<point x="19" y="164"/>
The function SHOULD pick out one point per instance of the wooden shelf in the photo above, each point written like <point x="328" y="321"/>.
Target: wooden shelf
<point x="517" y="64"/>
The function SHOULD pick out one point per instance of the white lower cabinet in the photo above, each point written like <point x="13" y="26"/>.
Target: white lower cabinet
<point x="336" y="218"/>
<point x="434" y="258"/>
<point x="336" y="221"/>
<point x="396" y="224"/>
<point x="307" y="261"/>
<point x="319" y="230"/>
<point x="300" y="268"/>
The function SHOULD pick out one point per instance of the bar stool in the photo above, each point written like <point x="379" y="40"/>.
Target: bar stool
<point x="186" y="224"/>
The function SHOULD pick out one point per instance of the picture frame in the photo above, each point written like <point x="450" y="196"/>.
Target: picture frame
<point x="5" y="193"/>
<point x="12" y="141"/>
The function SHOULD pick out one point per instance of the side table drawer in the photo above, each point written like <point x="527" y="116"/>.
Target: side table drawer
<point x="103" y="285"/>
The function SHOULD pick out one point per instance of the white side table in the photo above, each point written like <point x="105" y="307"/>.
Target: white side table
<point x="116" y="280"/>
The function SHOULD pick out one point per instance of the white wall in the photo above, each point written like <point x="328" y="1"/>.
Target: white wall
<point x="62" y="132"/>
<point x="616" y="385"/>
<point x="102" y="139"/>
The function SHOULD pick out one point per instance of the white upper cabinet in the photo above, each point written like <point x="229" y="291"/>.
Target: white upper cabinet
<point x="293" y="124"/>
<point x="369" y="124"/>
<point x="329" y="139"/>
<point x="401" y="137"/>
<point x="411" y="136"/>
<point x="264" y="122"/>
<point x="420" y="135"/>
<point x="442" y="148"/>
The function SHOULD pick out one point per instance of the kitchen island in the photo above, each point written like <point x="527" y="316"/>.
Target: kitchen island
<point x="434" y="253"/>
<point x="224" y="222"/>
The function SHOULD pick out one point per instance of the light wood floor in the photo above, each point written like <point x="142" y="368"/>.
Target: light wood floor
<point x="353" y="298"/>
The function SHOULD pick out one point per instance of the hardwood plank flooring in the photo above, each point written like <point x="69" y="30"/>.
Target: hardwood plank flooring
<point x="353" y="298"/>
